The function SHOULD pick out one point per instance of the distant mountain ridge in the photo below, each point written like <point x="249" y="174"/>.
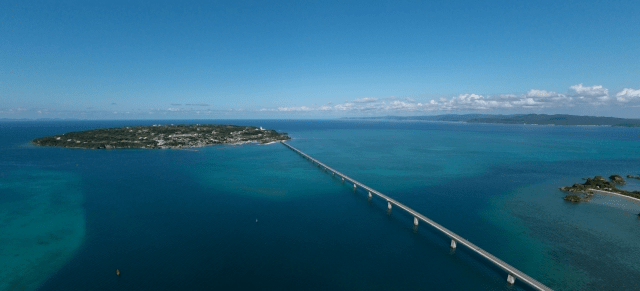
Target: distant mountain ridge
<point x="559" y="119"/>
<point x="540" y="119"/>
<point x="444" y="117"/>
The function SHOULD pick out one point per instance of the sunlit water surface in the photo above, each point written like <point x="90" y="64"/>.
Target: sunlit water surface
<point x="261" y="217"/>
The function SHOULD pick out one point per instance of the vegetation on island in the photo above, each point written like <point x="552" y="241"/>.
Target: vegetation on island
<point x="576" y="198"/>
<point x="584" y="192"/>
<point x="162" y="137"/>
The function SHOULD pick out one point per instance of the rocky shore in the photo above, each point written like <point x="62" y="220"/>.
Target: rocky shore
<point x="162" y="137"/>
<point x="584" y="192"/>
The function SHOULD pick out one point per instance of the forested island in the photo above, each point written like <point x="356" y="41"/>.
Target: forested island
<point x="162" y="137"/>
<point x="584" y="192"/>
<point x="534" y="119"/>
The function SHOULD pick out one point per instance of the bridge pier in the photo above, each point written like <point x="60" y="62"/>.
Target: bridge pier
<point x="512" y="273"/>
<point x="510" y="279"/>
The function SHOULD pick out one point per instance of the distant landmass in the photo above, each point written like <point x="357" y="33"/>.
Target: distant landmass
<point x="444" y="117"/>
<point x="558" y="119"/>
<point x="539" y="119"/>
<point x="162" y="137"/>
<point x="41" y="119"/>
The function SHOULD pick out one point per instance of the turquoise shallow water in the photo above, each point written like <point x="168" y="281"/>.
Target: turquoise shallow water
<point x="42" y="223"/>
<point x="172" y="219"/>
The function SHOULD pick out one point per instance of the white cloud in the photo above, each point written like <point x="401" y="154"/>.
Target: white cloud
<point x="397" y="105"/>
<point x="365" y="100"/>
<point x="526" y="102"/>
<point x="480" y="102"/>
<point x="343" y="107"/>
<point x="595" y="91"/>
<point x="594" y="95"/>
<point x="541" y="93"/>
<point x="578" y="95"/>
<point x="292" y="109"/>
<point x="627" y="94"/>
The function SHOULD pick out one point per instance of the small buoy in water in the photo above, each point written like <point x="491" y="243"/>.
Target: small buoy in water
<point x="118" y="272"/>
<point x="256" y="221"/>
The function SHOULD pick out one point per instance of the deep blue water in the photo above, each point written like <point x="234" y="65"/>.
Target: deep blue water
<point x="176" y="219"/>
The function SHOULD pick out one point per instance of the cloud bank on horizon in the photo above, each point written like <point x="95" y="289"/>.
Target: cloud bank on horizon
<point x="535" y="100"/>
<point x="578" y="95"/>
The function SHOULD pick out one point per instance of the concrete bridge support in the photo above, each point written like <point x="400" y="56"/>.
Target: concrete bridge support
<point x="512" y="273"/>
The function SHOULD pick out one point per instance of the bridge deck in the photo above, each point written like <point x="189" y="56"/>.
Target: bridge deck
<point x="506" y="267"/>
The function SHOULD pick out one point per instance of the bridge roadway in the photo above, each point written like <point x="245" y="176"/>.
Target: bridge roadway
<point x="455" y="238"/>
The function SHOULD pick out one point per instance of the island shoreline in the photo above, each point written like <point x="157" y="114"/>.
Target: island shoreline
<point x="163" y="137"/>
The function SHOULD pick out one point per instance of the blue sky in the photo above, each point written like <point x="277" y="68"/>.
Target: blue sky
<point x="317" y="59"/>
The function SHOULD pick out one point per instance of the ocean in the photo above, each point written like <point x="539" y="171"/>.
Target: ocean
<point x="261" y="217"/>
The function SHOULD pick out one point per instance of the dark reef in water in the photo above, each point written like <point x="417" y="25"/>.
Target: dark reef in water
<point x="162" y="137"/>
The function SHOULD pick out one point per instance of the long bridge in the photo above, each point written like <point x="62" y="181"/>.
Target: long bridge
<point x="455" y="239"/>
